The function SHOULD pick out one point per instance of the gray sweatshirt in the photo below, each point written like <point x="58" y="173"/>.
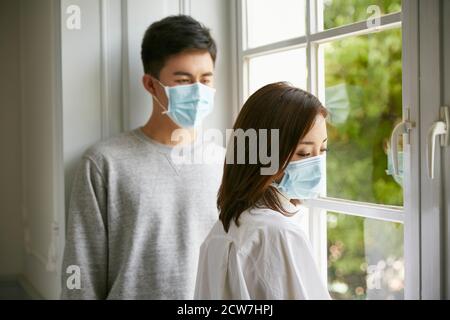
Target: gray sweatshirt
<point x="137" y="219"/>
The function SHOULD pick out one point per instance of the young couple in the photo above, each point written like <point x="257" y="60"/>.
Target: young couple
<point x="142" y="226"/>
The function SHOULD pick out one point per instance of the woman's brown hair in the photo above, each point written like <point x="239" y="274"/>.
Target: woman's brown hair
<point x="275" y="106"/>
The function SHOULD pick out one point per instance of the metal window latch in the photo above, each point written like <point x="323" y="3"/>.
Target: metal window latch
<point x="438" y="129"/>
<point x="403" y="128"/>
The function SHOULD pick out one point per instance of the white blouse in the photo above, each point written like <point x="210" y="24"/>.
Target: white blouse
<point x="267" y="257"/>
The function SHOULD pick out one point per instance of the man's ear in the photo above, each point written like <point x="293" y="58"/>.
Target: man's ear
<point x="149" y="84"/>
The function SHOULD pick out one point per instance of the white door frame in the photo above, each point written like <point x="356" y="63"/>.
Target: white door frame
<point x="426" y="232"/>
<point x="431" y="205"/>
<point x="446" y="156"/>
<point x="410" y="92"/>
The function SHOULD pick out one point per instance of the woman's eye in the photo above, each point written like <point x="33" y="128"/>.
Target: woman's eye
<point x="303" y="154"/>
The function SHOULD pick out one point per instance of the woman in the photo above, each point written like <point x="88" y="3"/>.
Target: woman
<point x="256" y="250"/>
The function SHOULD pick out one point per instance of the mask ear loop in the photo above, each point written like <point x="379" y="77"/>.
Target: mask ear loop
<point x="161" y="105"/>
<point x="157" y="100"/>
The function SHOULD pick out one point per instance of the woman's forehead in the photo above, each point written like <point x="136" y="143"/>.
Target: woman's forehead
<point x="317" y="133"/>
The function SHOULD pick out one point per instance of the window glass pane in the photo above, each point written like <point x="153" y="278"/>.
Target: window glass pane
<point x="363" y="91"/>
<point x="281" y="66"/>
<point x="365" y="258"/>
<point x="274" y="20"/>
<point x="337" y="13"/>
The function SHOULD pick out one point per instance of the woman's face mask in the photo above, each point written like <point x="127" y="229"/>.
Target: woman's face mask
<point x="188" y="105"/>
<point x="303" y="179"/>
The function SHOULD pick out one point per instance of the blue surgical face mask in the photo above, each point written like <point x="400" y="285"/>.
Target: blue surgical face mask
<point x="303" y="179"/>
<point x="188" y="105"/>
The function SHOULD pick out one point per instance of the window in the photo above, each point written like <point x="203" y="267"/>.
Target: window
<point x="348" y="53"/>
<point x="278" y="66"/>
<point x="274" y="21"/>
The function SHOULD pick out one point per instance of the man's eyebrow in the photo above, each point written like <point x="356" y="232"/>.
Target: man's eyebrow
<point x="310" y="142"/>
<point x="184" y="73"/>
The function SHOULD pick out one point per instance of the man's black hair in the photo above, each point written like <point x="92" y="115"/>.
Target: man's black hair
<point x="173" y="35"/>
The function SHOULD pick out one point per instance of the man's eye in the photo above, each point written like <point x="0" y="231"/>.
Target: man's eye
<point x="182" y="81"/>
<point x="206" y="81"/>
<point x="324" y="150"/>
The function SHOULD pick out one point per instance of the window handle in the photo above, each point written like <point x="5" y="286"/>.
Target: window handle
<point x="441" y="129"/>
<point x="403" y="127"/>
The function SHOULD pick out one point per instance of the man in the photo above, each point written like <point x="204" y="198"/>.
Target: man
<point x="137" y="217"/>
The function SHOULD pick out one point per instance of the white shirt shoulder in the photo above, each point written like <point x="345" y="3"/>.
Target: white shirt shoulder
<point x="267" y="256"/>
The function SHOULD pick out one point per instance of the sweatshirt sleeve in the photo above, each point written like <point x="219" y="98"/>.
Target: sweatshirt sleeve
<point x="85" y="260"/>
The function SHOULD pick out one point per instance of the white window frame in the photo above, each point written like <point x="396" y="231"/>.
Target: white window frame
<point x="315" y="35"/>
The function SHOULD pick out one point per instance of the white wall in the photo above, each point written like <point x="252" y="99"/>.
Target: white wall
<point x="90" y="109"/>
<point x="216" y="15"/>
<point x="11" y="244"/>
<point x="40" y="141"/>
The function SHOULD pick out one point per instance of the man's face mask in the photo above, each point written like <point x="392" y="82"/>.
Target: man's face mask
<point x="188" y="105"/>
<point x="303" y="179"/>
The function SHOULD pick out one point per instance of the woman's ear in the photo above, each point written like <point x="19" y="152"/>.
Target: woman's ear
<point x="149" y="84"/>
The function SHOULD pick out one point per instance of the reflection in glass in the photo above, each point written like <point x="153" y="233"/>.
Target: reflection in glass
<point x="363" y="91"/>
<point x="365" y="258"/>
